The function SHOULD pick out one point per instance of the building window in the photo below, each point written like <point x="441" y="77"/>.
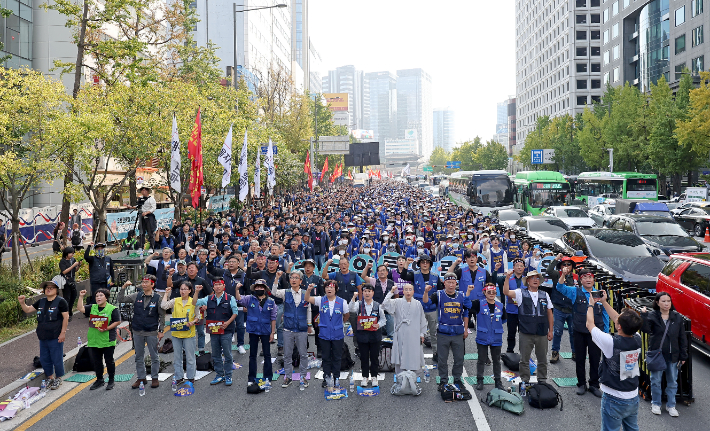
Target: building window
<point x="581" y="100"/>
<point x="696" y="7"/>
<point x="615" y="52"/>
<point x="581" y="3"/>
<point x="606" y="57"/>
<point x="596" y="67"/>
<point x="697" y="36"/>
<point x="581" y="35"/>
<point x="596" y="19"/>
<point x="595" y="34"/>
<point x="679" y="71"/>
<point x="596" y="84"/>
<point x="615" y="31"/>
<point x="582" y="19"/>
<point x="680" y="44"/>
<point x="615" y="8"/>
<point x="616" y="74"/>
<point x="606" y="37"/>
<point x="626" y="4"/>
<point x="596" y="99"/>
<point x="581" y="84"/>
<point x="581" y="51"/>
<point x="581" y="67"/>
<point x="594" y="3"/>
<point x="595" y="51"/>
<point x="679" y="16"/>
<point x="606" y="78"/>
<point x="698" y="64"/>
<point x="606" y="14"/>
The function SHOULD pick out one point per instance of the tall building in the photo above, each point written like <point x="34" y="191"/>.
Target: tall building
<point x="383" y="105"/>
<point x="16" y="34"/>
<point x="414" y="108"/>
<point x="505" y="124"/>
<point x="443" y="125"/>
<point x="558" y="59"/>
<point x="315" y="84"/>
<point x="512" y="126"/>
<point x="347" y="79"/>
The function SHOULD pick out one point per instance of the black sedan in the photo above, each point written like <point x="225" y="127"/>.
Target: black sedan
<point x="618" y="252"/>
<point x="658" y="232"/>
<point x="543" y="229"/>
<point x="694" y="220"/>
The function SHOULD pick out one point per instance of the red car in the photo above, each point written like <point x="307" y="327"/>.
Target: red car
<point x="686" y="277"/>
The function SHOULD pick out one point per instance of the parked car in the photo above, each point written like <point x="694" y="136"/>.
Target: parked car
<point x="618" y="252"/>
<point x="658" y="232"/>
<point x="574" y="217"/>
<point x="694" y="219"/>
<point x="601" y="213"/>
<point x="508" y="217"/>
<point x="542" y="228"/>
<point x="677" y="210"/>
<point x="686" y="277"/>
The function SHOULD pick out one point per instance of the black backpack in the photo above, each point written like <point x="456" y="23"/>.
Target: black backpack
<point x="204" y="362"/>
<point x="511" y="360"/>
<point x="75" y="238"/>
<point x="543" y="396"/>
<point x="82" y="362"/>
<point x="346" y="361"/>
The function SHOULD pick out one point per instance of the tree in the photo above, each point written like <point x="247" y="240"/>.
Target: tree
<point x="438" y="160"/>
<point x="4" y="13"/>
<point x="625" y="130"/>
<point x="538" y="139"/>
<point x="492" y="156"/>
<point x="466" y="153"/>
<point x="32" y="110"/>
<point x="591" y="146"/>
<point x="693" y="130"/>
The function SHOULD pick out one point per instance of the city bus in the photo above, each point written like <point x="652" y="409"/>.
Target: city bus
<point x="537" y="190"/>
<point x="483" y="190"/>
<point x="624" y="185"/>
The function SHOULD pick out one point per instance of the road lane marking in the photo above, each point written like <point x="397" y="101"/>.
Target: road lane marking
<point x="475" y="406"/>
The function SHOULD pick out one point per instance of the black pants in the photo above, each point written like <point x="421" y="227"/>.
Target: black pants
<point x="148" y="226"/>
<point x="316" y="327"/>
<point x="332" y="354"/>
<point x="98" y="356"/>
<point x="495" y="358"/>
<point x="70" y="296"/>
<point x="369" y="353"/>
<point x="512" y="330"/>
<point x="583" y="344"/>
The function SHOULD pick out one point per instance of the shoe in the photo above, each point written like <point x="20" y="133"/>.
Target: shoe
<point x="499" y="385"/>
<point x="374" y="381"/>
<point x="228" y="381"/>
<point x="154" y="383"/>
<point x="555" y="357"/>
<point x="217" y="380"/>
<point x="324" y="383"/>
<point x="304" y="382"/>
<point x="574" y="357"/>
<point x="179" y="382"/>
<point x="287" y="382"/>
<point x="318" y="354"/>
<point x="595" y="391"/>
<point x="656" y="410"/>
<point x="672" y="411"/>
<point x="280" y="351"/>
<point x="581" y="390"/>
<point x="110" y="385"/>
<point x="137" y="383"/>
<point x="97" y="384"/>
<point x="363" y="383"/>
<point x="435" y="358"/>
<point x="440" y="388"/>
<point x="479" y="383"/>
<point x="241" y="350"/>
<point x="55" y="383"/>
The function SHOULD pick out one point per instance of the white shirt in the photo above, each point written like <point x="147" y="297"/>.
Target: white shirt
<point x="149" y="205"/>
<point x="331" y="304"/>
<point x="534" y="295"/>
<point x="381" y="319"/>
<point x="605" y="342"/>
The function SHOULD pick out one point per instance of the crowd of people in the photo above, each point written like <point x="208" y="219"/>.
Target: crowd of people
<point x="282" y="272"/>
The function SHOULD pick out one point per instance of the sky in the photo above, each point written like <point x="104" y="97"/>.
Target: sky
<point x="467" y="46"/>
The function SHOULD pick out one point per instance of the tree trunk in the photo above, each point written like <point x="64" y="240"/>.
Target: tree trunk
<point x="15" y="242"/>
<point x="662" y="189"/>
<point x="677" y="180"/>
<point x="132" y="189"/>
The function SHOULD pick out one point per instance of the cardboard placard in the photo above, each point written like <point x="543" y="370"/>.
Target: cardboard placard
<point x="179" y="324"/>
<point x="365" y="323"/>
<point x="98" y="322"/>
<point x="214" y="327"/>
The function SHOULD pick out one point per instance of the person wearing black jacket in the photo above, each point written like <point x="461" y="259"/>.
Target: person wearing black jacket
<point x="674" y="348"/>
<point x="235" y="279"/>
<point x="68" y="266"/>
<point x="564" y="307"/>
<point x="101" y="273"/>
<point x="321" y="245"/>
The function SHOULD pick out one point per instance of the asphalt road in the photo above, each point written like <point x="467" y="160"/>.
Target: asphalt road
<point x="34" y="253"/>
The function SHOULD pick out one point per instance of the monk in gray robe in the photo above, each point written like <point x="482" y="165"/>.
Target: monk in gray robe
<point x="410" y="326"/>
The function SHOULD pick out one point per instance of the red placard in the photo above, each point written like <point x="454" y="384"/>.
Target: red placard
<point x="98" y="322"/>
<point x="214" y="327"/>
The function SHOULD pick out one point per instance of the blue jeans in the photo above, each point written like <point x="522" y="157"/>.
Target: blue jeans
<point x="188" y="345"/>
<point x="200" y="329"/>
<point x="671" y="384"/>
<point x="320" y="261"/>
<point x="559" y="328"/>
<point x="239" y="321"/>
<point x="279" y="325"/>
<point x="51" y="354"/>
<point x="617" y="412"/>
<point x="222" y="345"/>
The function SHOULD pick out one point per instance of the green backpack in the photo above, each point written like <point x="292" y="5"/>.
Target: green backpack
<point x="511" y="402"/>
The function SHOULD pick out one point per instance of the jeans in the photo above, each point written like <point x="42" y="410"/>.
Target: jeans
<point x="140" y="342"/>
<point x="300" y="340"/>
<point x="512" y="330"/>
<point x="559" y="328"/>
<point x="200" y="329"/>
<point x="332" y="355"/>
<point x="98" y="356"/>
<point x="495" y="358"/>
<point x="617" y="412"/>
<point x="527" y="343"/>
<point x="51" y="354"/>
<point x="584" y="343"/>
<point x="222" y="345"/>
<point x="320" y="261"/>
<point x="656" y="381"/>
<point x="389" y="325"/>
<point x="280" y="325"/>
<point x="456" y="344"/>
<point x="432" y="320"/>
<point x="254" y="351"/>
<point x="188" y="345"/>
<point x="239" y="321"/>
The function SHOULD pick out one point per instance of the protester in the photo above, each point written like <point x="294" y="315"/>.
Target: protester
<point x="101" y="271"/>
<point x="203" y="290"/>
<point x="370" y="319"/>
<point x="182" y="329"/>
<point x="101" y="337"/>
<point x="67" y="267"/>
<point x="261" y="326"/>
<point x="562" y="313"/>
<point x="489" y="333"/>
<point x="409" y="329"/>
<point x="515" y="282"/>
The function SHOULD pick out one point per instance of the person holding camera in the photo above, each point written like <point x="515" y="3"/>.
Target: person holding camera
<point x="146" y="206"/>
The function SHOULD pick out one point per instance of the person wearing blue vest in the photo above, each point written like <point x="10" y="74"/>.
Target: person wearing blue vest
<point x="348" y="284"/>
<point x="498" y="259"/>
<point x="619" y="370"/>
<point x="489" y="334"/>
<point x="297" y="314"/>
<point x="513" y="247"/>
<point x="451" y="307"/>
<point x="333" y="311"/>
<point x="261" y="326"/>
<point x="147" y="326"/>
<point x="221" y="312"/>
<point x="370" y="319"/>
<point x="514" y="280"/>
<point x="471" y="274"/>
<point x="162" y="267"/>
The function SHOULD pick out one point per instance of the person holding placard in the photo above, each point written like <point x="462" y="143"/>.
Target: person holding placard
<point x="101" y="337"/>
<point x="182" y="326"/>
<point x="370" y="318"/>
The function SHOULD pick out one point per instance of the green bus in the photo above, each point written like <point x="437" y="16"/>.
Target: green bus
<point x="537" y="190"/>
<point x="614" y="185"/>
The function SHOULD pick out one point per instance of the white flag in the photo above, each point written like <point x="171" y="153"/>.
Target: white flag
<point x="270" y="169"/>
<point x="257" y="175"/>
<point x="243" y="172"/>
<point x="405" y="171"/>
<point x="175" y="159"/>
<point x="225" y="159"/>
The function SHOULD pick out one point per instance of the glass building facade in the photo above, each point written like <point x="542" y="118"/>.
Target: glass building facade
<point x="654" y="40"/>
<point x="16" y="33"/>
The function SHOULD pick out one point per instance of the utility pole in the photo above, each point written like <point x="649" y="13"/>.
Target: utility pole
<point x="611" y="159"/>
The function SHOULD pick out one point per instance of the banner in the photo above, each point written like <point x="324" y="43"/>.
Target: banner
<point x="270" y="168"/>
<point x="243" y="172"/>
<point x="359" y="262"/>
<point x="120" y="223"/>
<point x="219" y="202"/>
<point x="389" y="259"/>
<point x="175" y="161"/>
<point x="194" y="148"/>
<point x="257" y="176"/>
<point x="225" y="158"/>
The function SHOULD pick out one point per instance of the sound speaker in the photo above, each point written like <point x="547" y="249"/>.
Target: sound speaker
<point x="348" y="160"/>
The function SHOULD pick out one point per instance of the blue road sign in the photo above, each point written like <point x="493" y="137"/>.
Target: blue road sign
<point x="453" y="165"/>
<point x="536" y="157"/>
<point x="265" y="148"/>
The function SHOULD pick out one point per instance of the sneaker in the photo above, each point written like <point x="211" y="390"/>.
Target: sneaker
<point x="217" y="380"/>
<point x="555" y="357"/>
<point x="304" y="381"/>
<point x="595" y="391"/>
<point x="479" y="383"/>
<point x="581" y="390"/>
<point x="49" y="383"/>
<point x="55" y="383"/>
<point x="672" y="411"/>
<point x="656" y="410"/>
<point x="374" y="381"/>
<point x="280" y="351"/>
<point x="228" y="381"/>
<point x="287" y="382"/>
<point x="574" y="356"/>
<point x="97" y="384"/>
<point x="363" y="383"/>
<point x="241" y="350"/>
<point x="110" y="385"/>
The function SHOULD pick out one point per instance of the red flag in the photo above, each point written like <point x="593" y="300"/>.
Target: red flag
<point x="325" y="169"/>
<point x="194" y="150"/>
<point x="350" y="174"/>
<point x="379" y="174"/>
<point x="307" y="169"/>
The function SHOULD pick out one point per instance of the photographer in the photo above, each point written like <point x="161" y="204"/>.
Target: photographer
<point x="146" y="206"/>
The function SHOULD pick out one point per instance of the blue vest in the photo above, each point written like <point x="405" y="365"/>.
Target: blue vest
<point x="161" y="275"/>
<point x="259" y="318"/>
<point x="420" y="285"/>
<point x="510" y="306"/>
<point x="497" y="257"/>
<point x="295" y="318"/>
<point x="52" y="314"/>
<point x="331" y="327"/>
<point x="145" y="319"/>
<point x="478" y="283"/>
<point x="221" y="312"/>
<point x="451" y="312"/>
<point x="513" y="250"/>
<point x="490" y="326"/>
<point x="346" y="284"/>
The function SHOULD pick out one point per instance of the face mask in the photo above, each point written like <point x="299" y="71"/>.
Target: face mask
<point x="366" y="250"/>
<point x="454" y="246"/>
<point x="420" y="250"/>
<point x="343" y="241"/>
<point x="408" y="242"/>
<point x="259" y="292"/>
<point x="512" y="238"/>
<point x="100" y="253"/>
<point x="385" y="238"/>
<point x="392" y="244"/>
<point x="341" y="252"/>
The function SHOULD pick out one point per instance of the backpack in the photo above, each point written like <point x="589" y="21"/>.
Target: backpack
<point x="36" y="362"/>
<point x="510" y="402"/>
<point x="455" y="393"/>
<point x="543" y="396"/>
<point x="386" y="357"/>
<point x="511" y="360"/>
<point x="406" y="384"/>
<point x="295" y="359"/>
<point x="75" y="238"/>
<point x="82" y="361"/>
<point x="346" y="361"/>
<point x="204" y="362"/>
<point x="167" y="346"/>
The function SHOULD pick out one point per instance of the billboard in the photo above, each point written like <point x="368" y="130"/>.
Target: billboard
<point x="410" y="133"/>
<point x="363" y="134"/>
<point x="336" y="101"/>
<point x="341" y="118"/>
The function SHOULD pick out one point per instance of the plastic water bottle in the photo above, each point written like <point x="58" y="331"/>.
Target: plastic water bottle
<point x="522" y="389"/>
<point x="352" y="382"/>
<point x="427" y="376"/>
<point x="141" y="390"/>
<point x="43" y="387"/>
<point x="302" y="385"/>
<point x="329" y="383"/>
<point x="174" y="386"/>
<point x="78" y="342"/>
<point x="337" y="383"/>
<point x="267" y="386"/>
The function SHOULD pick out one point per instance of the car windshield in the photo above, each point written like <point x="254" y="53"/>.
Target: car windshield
<point x="659" y="227"/>
<point x="571" y="212"/>
<point x="616" y="243"/>
<point x="550" y="225"/>
<point x="611" y="210"/>
<point x="508" y="215"/>
<point x="706" y="209"/>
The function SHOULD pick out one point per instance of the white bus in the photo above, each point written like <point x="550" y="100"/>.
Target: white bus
<point x="360" y="180"/>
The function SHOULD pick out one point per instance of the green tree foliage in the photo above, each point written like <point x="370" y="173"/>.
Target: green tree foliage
<point x="475" y="155"/>
<point x="466" y="154"/>
<point x="438" y="160"/>
<point x="493" y="155"/>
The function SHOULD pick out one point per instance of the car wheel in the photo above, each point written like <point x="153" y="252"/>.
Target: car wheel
<point x="699" y="230"/>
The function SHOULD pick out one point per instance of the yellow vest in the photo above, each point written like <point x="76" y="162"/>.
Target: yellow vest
<point x="186" y="311"/>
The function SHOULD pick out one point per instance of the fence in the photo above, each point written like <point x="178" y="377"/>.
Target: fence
<point x="37" y="224"/>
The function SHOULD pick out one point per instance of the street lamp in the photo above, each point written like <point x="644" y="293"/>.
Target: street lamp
<point x="234" y="16"/>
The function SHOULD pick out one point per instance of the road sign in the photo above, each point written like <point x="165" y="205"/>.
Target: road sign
<point x="453" y="165"/>
<point x="542" y="157"/>
<point x="428" y="169"/>
<point x="536" y="157"/>
<point x="265" y="148"/>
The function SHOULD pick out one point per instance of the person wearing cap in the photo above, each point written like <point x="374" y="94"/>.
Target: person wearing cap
<point x="564" y="308"/>
<point x="184" y="318"/>
<point x="490" y="315"/>
<point x="147" y="223"/>
<point x="582" y="299"/>
<point x="101" y="272"/>
<point x="52" y="320"/>
<point x="514" y="282"/>
<point x="161" y="267"/>
<point x="146" y="327"/>
<point x="261" y="326"/>
<point x="175" y="280"/>
<point x="221" y="312"/>
<point x="235" y="279"/>
<point x="535" y="323"/>
<point x="321" y="245"/>
<point x="452" y="307"/>
<point x="101" y="338"/>
<point x="271" y="274"/>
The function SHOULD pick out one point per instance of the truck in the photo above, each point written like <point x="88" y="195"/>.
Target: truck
<point x="630" y="206"/>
